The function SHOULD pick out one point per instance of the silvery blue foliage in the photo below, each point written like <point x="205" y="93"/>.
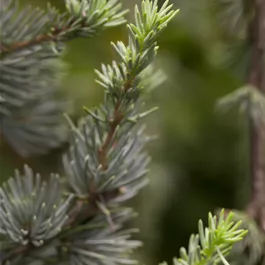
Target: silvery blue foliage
<point x="127" y="168"/>
<point x="32" y="41"/>
<point x="27" y="214"/>
<point x="79" y="219"/>
<point x="99" y="243"/>
<point x="106" y="163"/>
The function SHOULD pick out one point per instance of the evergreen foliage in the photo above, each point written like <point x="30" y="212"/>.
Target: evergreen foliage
<point x="212" y="243"/>
<point x="82" y="220"/>
<point x="32" y="41"/>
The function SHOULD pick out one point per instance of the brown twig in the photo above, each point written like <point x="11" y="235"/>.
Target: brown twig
<point x="14" y="253"/>
<point x="256" y="78"/>
<point x="113" y="124"/>
<point x="51" y="35"/>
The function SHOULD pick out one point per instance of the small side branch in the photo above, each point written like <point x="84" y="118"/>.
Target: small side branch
<point x="52" y="35"/>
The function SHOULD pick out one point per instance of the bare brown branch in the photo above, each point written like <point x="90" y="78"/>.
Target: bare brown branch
<point x="257" y="138"/>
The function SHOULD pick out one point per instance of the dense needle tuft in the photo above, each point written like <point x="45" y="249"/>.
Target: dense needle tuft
<point x="98" y="243"/>
<point x="32" y="211"/>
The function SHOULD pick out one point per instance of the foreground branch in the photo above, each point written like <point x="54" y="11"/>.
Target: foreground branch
<point x="105" y="166"/>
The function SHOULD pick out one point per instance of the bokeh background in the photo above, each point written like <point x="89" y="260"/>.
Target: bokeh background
<point x="200" y="159"/>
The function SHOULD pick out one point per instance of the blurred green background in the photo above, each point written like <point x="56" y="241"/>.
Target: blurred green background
<point x="200" y="158"/>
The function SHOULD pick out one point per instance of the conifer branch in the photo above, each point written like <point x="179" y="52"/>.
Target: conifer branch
<point x="32" y="41"/>
<point x="213" y="243"/>
<point x="53" y="35"/>
<point x="105" y="165"/>
<point x="83" y="18"/>
<point x="121" y="81"/>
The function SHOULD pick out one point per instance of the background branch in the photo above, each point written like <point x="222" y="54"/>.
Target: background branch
<point x="256" y="78"/>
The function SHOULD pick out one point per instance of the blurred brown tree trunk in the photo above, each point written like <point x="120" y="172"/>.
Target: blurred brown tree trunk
<point x="256" y="77"/>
